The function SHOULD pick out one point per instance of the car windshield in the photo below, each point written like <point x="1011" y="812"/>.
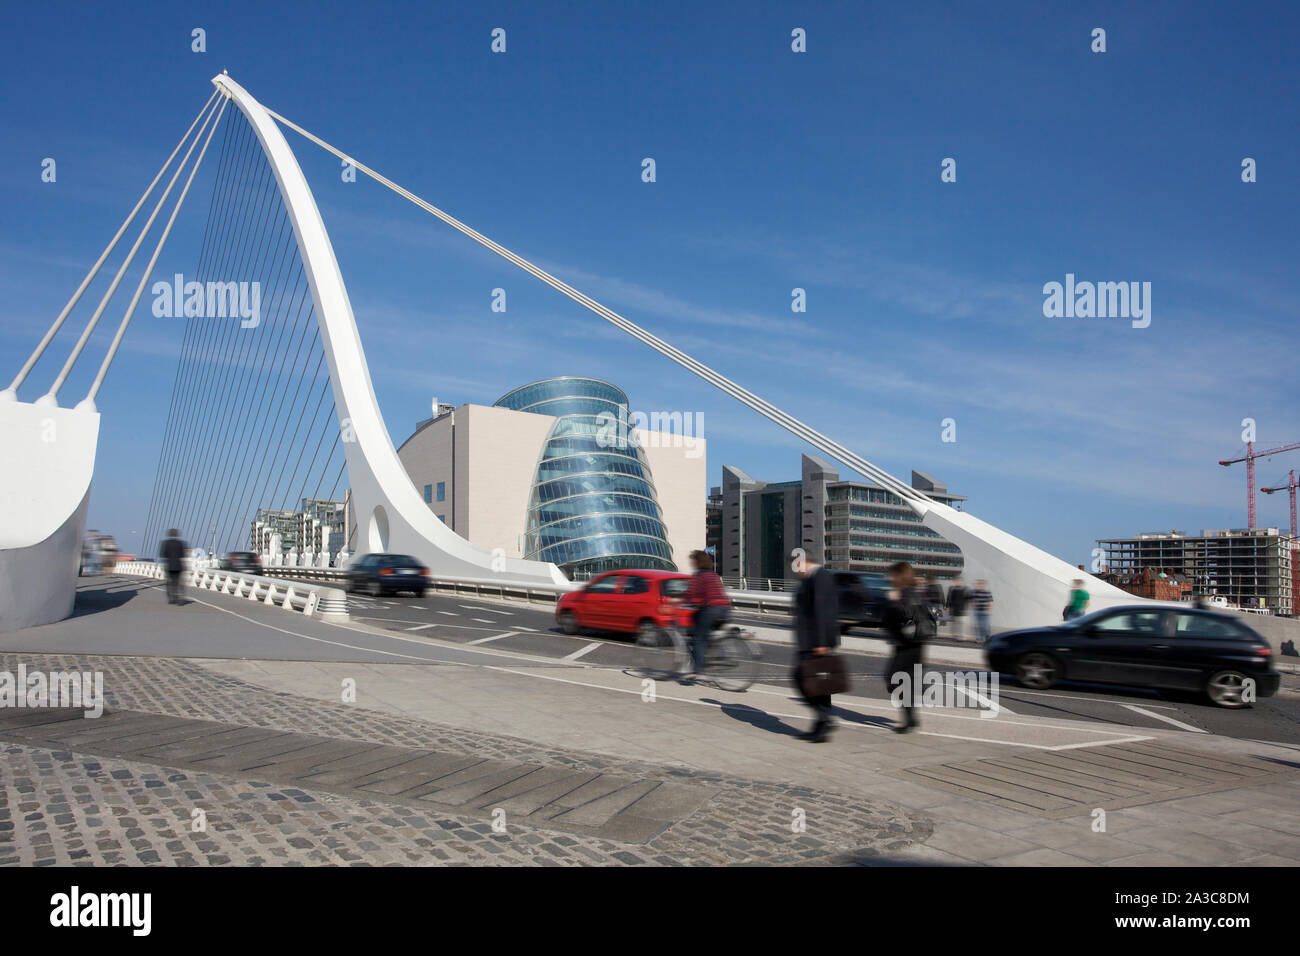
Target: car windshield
<point x="400" y="559"/>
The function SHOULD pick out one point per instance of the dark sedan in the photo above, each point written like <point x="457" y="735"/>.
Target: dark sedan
<point x="1163" y="647"/>
<point x="387" y="573"/>
<point x="246" y="561"/>
<point x="863" y="598"/>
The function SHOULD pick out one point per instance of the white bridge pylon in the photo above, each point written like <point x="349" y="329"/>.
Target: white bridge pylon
<point x="390" y="514"/>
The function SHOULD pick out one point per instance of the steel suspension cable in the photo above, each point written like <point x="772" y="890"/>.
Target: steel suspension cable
<point x="153" y="261"/>
<point x="230" y="211"/>
<point x="52" y="394"/>
<point x="94" y="270"/>
<point x="764" y="408"/>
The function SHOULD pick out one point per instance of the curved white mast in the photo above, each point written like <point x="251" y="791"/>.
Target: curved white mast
<point x="390" y="514"/>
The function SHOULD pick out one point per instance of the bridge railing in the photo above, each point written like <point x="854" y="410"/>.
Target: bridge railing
<point x="313" y="600"/>
<point x="762" y="601"/>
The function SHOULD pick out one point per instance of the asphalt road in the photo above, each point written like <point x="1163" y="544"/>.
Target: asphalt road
<point x="128" y="616"/>
<point x="533" y="631"/>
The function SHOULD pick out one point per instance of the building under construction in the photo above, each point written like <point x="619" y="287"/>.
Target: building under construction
<point x="1251" y="568"/>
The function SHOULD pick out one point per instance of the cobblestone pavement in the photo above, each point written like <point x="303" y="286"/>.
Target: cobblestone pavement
<point x="61" y="807"/>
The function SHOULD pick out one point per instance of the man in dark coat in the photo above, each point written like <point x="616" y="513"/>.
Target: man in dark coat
<point x="908" y="625"/>
<point x="817" y="632"/>
<point x="173" y="557"/>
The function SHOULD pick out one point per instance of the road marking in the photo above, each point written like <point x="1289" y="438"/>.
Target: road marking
<point x="522" y="628"/>
<point x="421" y="627"/>
<point x="483" y="620"/>
<point x="449" y="613"/>
<point x="977" y="697"/>
<point x="494" y="637"/>
<point x="1168" y="720"/>
<point x="582" y="652"/>
<point x="417" y="607"/>
<point x="1020" y="692"/>
<point x="487" y="610"/>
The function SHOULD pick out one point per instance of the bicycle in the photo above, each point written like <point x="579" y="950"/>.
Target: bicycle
<point x="664" y="653"/>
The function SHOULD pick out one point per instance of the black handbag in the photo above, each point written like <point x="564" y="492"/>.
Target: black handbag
<point x="822" y="675"/>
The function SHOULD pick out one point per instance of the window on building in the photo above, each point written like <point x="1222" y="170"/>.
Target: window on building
<point x="442" y="491"/>
<point x="442" y="518"/>
<point x="428" y="494"/>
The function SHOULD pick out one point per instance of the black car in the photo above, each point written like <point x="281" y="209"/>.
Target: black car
<point x="1165" y="647"/>
<point x="387" y="573"/>
<point x="245" y="561"/>
<point x="862" y="599"/>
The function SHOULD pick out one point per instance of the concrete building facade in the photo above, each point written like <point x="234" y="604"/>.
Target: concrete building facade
<point x="546" y="486"/>
<point x="1251" y="567"/>
<point x="848" y="525"/>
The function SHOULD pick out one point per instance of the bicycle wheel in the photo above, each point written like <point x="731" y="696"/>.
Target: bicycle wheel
<point x="732" y="663"/>
<point x="660" y="653"/>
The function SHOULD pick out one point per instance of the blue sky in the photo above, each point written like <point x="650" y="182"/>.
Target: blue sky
<point x="775" y="170"/>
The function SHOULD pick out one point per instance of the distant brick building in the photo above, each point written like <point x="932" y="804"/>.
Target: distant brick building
<point x="1152" y="583"/>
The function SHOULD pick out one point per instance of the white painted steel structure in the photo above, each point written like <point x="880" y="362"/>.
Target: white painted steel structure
<point x="389" y="511"/>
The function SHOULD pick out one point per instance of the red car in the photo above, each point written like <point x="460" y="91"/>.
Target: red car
<point x="624" y="601"/>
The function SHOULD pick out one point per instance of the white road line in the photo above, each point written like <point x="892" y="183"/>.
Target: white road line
<point x="583" y="651"/>
<point x="1168" y="720"/>
<point x="494" y="637"/>
<point x="417" y="607"/>
<point x="449" y="613"/>
<point x="1021" y="692"/>
<point x="977" y="697"/>
<point x="421" y="627"/>
<point x="522" y="628"/>
<point x="487" y="610"/>
<point x="483" y="620"/>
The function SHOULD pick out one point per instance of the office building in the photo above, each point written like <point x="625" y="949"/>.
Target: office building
<point x="848" y="525"/>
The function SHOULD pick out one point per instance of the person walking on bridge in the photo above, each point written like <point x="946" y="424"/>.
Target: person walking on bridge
<point x="817" y="633"/>
<point x="909" y="621"/>
<point x="1078" y="602"/>
<point x="172" y="553"/>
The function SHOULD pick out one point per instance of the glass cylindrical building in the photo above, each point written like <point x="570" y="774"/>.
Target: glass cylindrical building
<point x="593" y="505"/>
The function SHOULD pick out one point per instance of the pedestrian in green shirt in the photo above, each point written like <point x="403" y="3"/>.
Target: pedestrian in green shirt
<point x="1078" y="601"/>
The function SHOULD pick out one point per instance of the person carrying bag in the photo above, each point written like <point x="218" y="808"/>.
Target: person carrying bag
<point x="818" y="673"/>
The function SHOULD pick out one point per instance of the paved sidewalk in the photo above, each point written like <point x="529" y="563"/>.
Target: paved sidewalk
<point x="735" y="785"/>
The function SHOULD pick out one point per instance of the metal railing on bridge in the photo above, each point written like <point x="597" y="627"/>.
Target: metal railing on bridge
<point x="763" y="601"/>
<point x="313" y="600"/>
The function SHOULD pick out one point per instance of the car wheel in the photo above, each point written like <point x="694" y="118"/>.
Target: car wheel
<point x="376" y="590"/>
<point x="422" y="592"/>
<point x="646" y="630"/>
<point x="1037" y="670"/>
<point x="1225" y="688"/>
<point x="569" y="623"/>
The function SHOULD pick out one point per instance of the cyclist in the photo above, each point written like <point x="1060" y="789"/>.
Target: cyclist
<point x="706" y="594"/>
